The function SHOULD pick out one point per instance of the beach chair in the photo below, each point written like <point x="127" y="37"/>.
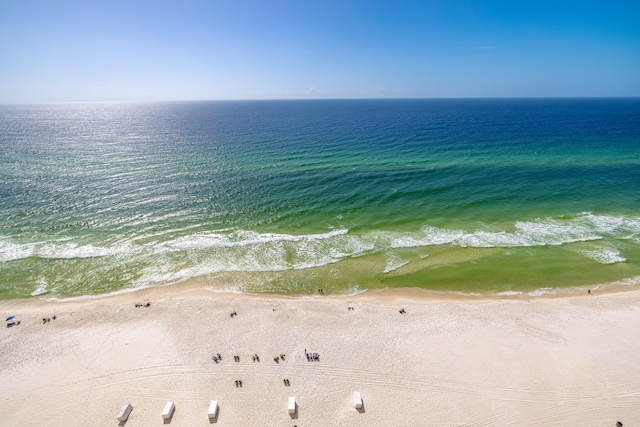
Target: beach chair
<point x="292" y="404"/>
<point x="167" y="412"/>
<point x="213" y="409"/>
<point x="124" y="414"/>
<point x="357" y="400"/>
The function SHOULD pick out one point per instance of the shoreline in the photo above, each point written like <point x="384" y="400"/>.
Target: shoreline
<point x="192" y="289"/>
<point x="569" y="360"/>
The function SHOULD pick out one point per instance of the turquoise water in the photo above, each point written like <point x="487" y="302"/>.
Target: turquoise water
<point x="291" y="196"/>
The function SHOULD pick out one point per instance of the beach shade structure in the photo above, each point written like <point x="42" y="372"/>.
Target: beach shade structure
<point x="9" y="318"/>
<point x="124" y="413"/>
<point x="213" y="409"/>
<point x="357" y="400"/>
<point x="292" y="404"/>
<point x="167" y="412"/>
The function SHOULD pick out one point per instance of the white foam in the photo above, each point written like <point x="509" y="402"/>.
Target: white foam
<point x="73" y="250"/>
<point x="10" y="251"/>
<point x="267" y="260"/>
<point x="97" y="296"/>
<point x="509" y="293"/>
<point x="542" y="232"/>
<point x="431" y="236"/>
<point x="394" y="262"/>
<point x="246" y="238"/>
<point x="253" y="252"/>
<point x="41" y="289"/>
<point x="542" y="291"/>
<point x="604" y="255"/>
<point x="353" y="290"/>
<point x="631" y="281"/>
<point x="245" y="251"/>
<point x="615" y="226"/>
<point x="63" y="248"/>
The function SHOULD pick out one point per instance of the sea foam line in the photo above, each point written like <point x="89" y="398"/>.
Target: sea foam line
<point x="245" y="238"/>
<point x="247" y="250"/>
<point x="546" y="232"/>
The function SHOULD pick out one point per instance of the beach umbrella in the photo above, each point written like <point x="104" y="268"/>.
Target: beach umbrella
<point x="9" y="318"/>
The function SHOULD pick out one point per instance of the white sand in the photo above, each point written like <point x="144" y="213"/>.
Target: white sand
<point x="570" y="361"/>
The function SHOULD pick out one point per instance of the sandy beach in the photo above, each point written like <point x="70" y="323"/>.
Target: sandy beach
<point x="448" y="361"/>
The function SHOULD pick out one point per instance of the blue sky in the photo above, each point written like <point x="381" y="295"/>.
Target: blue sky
<point x="77" y="51"/>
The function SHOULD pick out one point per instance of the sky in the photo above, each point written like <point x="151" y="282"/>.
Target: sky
<point x="180" y="50"/>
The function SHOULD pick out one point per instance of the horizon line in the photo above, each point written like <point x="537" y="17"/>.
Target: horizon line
<point x="321" y="99"/>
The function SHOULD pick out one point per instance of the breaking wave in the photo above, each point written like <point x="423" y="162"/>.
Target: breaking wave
<point x="246" y="250"/>
<point x="581" y="228"/>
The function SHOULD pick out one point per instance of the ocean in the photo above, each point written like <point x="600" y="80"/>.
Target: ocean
<point x="498" y="196"/>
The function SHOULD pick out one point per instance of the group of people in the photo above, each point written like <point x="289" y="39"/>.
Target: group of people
<point x="217" y="357"/>
<point x="238" y="383"/>
<point x="11" y="320"/>
<point x="139" y="304"/>
<point x="312" y="356"/>
<point x="233" y="313"/>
